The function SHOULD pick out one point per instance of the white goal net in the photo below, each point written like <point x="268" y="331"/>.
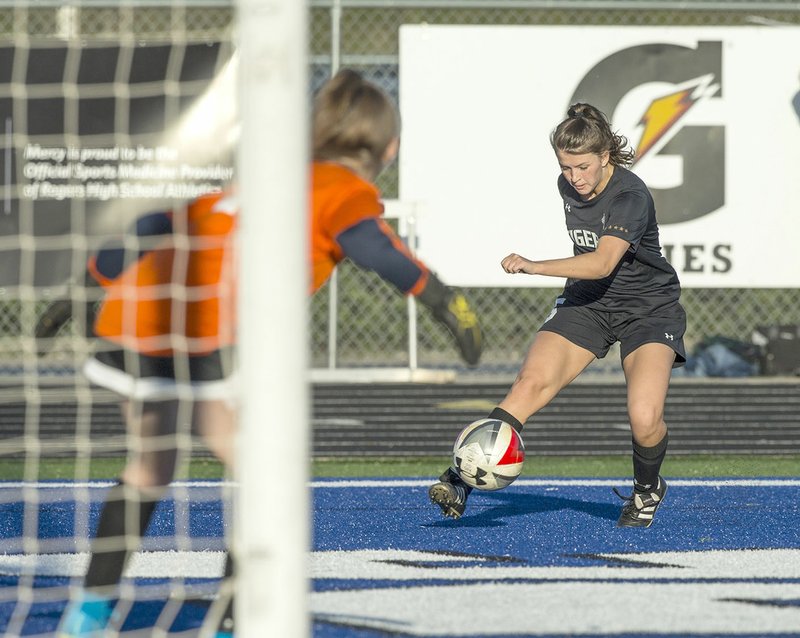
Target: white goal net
<point x="115" y="116"/>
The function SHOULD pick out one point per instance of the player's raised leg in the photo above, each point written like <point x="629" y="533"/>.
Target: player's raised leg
<point x="552" y="362"/>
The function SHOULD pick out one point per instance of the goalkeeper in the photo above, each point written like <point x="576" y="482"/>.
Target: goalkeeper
<point x="156" y="345"/>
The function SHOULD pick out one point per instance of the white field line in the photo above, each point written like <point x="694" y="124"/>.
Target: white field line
<point x="380" y="483"/>
<point x="159" y="564"/>
<point x="15" y="485"/>
<point x="761" y="482"/>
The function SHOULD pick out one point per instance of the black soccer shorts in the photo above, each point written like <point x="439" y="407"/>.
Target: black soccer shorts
<point x="137" y="376"/>
<point x="597" y="330"/>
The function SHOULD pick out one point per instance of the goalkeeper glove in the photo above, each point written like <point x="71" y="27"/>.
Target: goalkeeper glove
<point x="451" y="308"/>
<point x="58" y="313"/>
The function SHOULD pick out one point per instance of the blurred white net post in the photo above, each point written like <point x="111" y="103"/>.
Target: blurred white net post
<point x="271" y="521"/>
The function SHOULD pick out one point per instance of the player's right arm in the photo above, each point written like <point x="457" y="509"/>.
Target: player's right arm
<point x="597" y="264"/>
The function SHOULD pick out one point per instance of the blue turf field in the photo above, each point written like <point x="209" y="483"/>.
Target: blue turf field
<point x="541" y="558"/>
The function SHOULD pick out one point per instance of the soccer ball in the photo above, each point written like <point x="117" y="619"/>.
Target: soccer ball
<point x="488" y="454"/>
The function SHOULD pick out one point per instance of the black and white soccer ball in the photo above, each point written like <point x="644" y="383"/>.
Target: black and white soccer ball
<point x="488" y="454"/>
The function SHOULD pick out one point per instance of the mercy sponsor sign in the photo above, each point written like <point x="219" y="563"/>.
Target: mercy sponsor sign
<point x="709" y="112"/>
<point x="98" y="133"/>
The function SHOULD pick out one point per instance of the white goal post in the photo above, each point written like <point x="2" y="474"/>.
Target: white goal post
<point x="271" y="510"/>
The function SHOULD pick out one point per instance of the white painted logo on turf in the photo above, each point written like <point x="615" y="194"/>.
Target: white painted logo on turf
<point x="750" y="591"/>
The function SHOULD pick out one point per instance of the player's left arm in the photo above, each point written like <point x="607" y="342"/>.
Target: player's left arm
<point x="102" y="267"/>
<point x="598" y="264"/>
<point x="113" y="257"/>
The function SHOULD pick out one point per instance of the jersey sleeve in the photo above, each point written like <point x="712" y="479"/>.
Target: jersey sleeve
<point x="339" y="200"/>
<point x="627" y="218"/>
<point x="372" y="244"/>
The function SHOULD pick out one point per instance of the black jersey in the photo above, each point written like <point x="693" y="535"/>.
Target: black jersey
<point x="644" y="280"/>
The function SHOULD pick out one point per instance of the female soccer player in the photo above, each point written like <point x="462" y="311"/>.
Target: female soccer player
<point x="619" y="289"/>
<point x="158" y="348"/>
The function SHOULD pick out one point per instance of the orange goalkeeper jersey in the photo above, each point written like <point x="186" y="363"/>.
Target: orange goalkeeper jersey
<point x="181" y="295"/>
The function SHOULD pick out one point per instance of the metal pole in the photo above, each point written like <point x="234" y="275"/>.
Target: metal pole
<point x="410" y="221"/>
<point x="333" y="285"/>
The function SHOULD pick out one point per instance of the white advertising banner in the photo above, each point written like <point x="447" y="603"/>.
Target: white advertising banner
<point x="711" y="112"/>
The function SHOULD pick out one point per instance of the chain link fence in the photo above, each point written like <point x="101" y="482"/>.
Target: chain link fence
<point x="368" y="320"/>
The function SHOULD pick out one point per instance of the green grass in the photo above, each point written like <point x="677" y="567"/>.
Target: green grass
<point x="100" y="468"/>
<point x="697" y="466"/>
<point x="576" y="466"/>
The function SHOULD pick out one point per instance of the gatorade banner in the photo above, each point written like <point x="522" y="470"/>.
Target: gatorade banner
<point x="711" y="112"/>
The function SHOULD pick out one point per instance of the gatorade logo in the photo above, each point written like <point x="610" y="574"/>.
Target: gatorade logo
<point x="660" y="86"/>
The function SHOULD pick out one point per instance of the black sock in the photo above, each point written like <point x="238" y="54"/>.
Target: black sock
<point x="502" y="415"/>
<point x="647" y="463"/>
<point x="119" y="532"/>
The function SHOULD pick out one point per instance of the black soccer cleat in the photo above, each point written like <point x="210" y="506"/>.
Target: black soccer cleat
<point x="462" y="322"/>
<point x="640" y="507"/>
<point x="450" y="494"/>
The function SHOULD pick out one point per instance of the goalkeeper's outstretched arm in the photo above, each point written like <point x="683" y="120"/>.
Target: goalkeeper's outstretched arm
<point x="373" y="245"/>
